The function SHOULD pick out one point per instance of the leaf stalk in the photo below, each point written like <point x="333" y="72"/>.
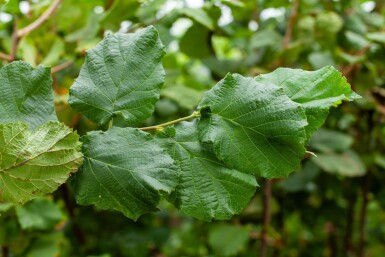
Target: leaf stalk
<point x="194" y="115"/>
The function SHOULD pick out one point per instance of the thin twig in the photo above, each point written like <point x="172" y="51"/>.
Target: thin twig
<point x="266" y="217"/>
<point x="362" y="218"/>
<point x="332" y="242"/>
<point x="15" y="41"/>
<point x="37" y="23"/>
<point x="6" y="57"/>
<point x="69" y="205"/>
<point x="4" y="251"/>
<point x="350" y="213"/>
<point x="61" y="66"/>
<point x="290" y="24"/>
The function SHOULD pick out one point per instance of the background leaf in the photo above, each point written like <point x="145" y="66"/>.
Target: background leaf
<point x="236" y="239"/>
<point x="41" y="213"/>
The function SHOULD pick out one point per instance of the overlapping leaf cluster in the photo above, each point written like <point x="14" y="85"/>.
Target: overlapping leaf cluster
<point x="37" y="153"/>
<point x="247" y="127"/>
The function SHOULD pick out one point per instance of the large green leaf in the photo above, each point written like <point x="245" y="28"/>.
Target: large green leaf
<point x="122" y="75"/>
<point x="125" y="170"/>
<point x="207" y="189"/>
<point x="254" y="127"/>
<point x="316" y="91"/>
<point x="26" y="94"/>
<point x="36" y="163"/>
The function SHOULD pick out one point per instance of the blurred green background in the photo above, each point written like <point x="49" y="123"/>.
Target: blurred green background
<point x="333" y="206"/>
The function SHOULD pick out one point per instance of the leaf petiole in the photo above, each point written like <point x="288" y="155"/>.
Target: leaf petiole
<point x="194" y="115"/>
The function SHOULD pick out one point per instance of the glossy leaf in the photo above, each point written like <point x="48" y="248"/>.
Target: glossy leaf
<point x="316" y="91"/>
<point x="122" y="76"/>
<point x="26" y="94"/>
<point x="206" y="189"/>
<point x="38" y="162"/>
<point x="124" y="170"/>
<point x="254" y="127"/>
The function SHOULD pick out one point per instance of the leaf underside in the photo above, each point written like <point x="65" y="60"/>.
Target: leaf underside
<point x="38" y="162"/>
<point x="206" y="189"/>
<point x="125" y="170"/>
<point x="121" y="76"/>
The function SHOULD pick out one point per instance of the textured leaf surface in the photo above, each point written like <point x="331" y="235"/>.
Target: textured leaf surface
<point x="122" y="75"/>
<point x="316" y="91"/>
<point x="125" y="170"/>
<point x="207" y="189"/>
<point x="254" y="127"/>
<point x="36" y="163"/>
<point x="26" y="94"/>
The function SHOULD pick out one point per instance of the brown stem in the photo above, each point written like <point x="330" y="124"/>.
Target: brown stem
<point x="15" y="41"/>
<point x="349" y="225"/>
<point x="266" y="217"/>
<point x="280" y="225"/>
<point x="61" y="66"/>
<point x="78" y="233"/>
<point x="37" y="23"/>
<point x="4" y="251"/>
<point x="6" y="57"/>
<point x="362" y="218"/>
<point x="332" y="242"/>
<point x="290" y="24"/>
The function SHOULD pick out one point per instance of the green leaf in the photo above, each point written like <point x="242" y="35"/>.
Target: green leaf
<point x="47" y="245"/>
<point x="38" y="162"/>
<point x="26" y="94"/>
<point x="120" y="10"/>
<point x="5" y="207"/>
<point x="300" y="180"/>
<point x="11" y="6"/>
<point x="316" y="91"/>
<point x="254" y="127"/>
<point x="124" y="170"/>
<point x="347" y="164"/>
<point x="377" y="37"/>
<point x="200" y="16"/>
<point x="229" y="240"/>
<point x="57" y="49"/>
<point x="32" y="216"/>
<point x="206" y="189"/>
<point x="326" y="140"/>
<point x="121" y="76"/>
<point x="186" y="97"/>
<point x="196" y="35"/>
